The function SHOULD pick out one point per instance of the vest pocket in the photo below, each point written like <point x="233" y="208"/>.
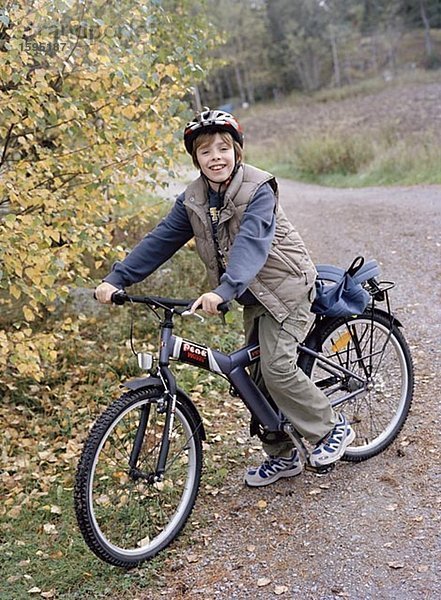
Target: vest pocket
<point x="289" y="264"/>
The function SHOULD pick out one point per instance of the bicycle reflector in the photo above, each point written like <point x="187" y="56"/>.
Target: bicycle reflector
<point x="145" y="360"/>
<point x="341" y="342"/>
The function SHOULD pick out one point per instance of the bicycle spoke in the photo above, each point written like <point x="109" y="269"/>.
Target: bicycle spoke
<point x="366" y="350"/>
<point x="131" y="515"/>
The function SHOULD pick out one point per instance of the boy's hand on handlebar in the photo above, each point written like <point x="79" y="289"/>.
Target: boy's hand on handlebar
<point x="209" y="303"/>
<point x="104" y="291"/>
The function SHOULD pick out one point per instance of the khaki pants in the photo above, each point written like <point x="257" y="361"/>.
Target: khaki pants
<point x="306" y="407"/>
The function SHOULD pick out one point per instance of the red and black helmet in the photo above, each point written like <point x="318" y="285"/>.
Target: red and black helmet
<point x="212" y="121"/>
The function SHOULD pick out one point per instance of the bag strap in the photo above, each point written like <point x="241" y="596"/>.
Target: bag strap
<point x="356" y="265"/>
<point x="369" y="270"/>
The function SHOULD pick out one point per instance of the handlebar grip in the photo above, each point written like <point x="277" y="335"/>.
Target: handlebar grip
<point x="119" y="297"/>
<point x="223" y="307"/>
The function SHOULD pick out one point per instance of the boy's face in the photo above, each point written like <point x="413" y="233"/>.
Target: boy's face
<point x="216" y="158"/>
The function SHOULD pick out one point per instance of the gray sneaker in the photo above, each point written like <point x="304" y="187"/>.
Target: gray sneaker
<point x="333" y="446"/>
<point x="274" y="468"/>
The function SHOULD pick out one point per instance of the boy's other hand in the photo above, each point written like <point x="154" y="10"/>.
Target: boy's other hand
<point x="209" y="303"/>
<point x="104" y="291"/>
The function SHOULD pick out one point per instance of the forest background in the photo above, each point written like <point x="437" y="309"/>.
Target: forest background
<point x="93" y="98"/>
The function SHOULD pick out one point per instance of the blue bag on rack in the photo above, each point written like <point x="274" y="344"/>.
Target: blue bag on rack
<point x="345" y="296"/>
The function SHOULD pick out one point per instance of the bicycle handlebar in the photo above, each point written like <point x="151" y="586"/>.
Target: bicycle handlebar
<point x="121" y="297"/>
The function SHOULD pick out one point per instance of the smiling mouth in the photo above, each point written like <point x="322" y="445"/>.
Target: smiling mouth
<point x="217" y="167"/>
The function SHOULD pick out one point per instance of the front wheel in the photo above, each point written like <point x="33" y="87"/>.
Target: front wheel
<point x="377" y="393"/>
<point x="125" y="514"/>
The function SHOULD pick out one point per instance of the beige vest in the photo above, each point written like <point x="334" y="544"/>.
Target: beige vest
<point x="288" y="272"/>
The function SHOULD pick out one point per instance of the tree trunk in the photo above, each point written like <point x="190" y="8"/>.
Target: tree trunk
<point x="227" y="79"/>
<point x="427" y="36"/>
<point x="197" y="98"/>
<point x="249" y="88"/>
<point x="240" y="85"/>
<point x="335" y="60"/>
<point x="219" y="90"/>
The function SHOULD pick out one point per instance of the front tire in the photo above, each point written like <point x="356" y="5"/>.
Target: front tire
<point x="124" y="516"/>
<point x="372" y="347"/>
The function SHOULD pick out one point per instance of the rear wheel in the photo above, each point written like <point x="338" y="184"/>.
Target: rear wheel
<point x="382" y="379"/>
<point x="125" y="516"/>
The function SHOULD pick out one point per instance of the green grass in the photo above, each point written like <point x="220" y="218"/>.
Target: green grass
<point x="45" y="551"/>
<point x="353" y="160"/>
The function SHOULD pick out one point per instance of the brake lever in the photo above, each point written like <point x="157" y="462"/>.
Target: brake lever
<point x="188" y="313"/>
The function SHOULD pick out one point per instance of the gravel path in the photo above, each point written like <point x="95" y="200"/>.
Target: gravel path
<point x="367" y="531"/>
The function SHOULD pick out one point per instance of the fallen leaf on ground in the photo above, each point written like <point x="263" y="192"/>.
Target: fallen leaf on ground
<point x="396" y="565"/>
<point x="192" y="558"/>
<point x="50" y="529"/>
<point x="280" y="589"/>
<point x="14" y="512"/>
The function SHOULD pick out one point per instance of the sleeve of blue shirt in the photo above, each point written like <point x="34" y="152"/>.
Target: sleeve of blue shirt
<point x="154" y="249"/>
<point x="251" y="246"/>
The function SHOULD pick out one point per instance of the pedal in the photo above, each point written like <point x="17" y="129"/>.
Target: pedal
<point x="322" y="470"/>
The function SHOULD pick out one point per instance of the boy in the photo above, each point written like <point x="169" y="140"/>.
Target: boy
<point x="252" y="254"/>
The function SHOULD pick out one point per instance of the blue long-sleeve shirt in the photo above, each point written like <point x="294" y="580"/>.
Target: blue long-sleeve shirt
<point x="247" y="256"/>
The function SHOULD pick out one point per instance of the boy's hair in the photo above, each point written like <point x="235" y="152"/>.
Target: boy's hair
<point x="203" y="138"/>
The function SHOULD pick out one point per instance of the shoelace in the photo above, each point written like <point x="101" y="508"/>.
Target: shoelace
<point x="269" y="464"/>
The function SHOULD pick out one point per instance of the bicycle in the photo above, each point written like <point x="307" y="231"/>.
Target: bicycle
<point x="139" y="473"/>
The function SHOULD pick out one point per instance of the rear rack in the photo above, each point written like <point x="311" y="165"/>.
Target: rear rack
<point x="378" y="289"/>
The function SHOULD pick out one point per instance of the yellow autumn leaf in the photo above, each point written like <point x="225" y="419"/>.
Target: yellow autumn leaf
<point x="129" y="111"/>
<point x="15" y="291"/>
<point x="28" y="313"/>
<point x="68" y="175"/>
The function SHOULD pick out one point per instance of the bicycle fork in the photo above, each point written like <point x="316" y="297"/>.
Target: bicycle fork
<point x="168" y="402"/>
<point x="167" y="406"/>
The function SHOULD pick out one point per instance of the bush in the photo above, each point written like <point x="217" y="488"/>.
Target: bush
<point x="91" y="115"/>
<point x="332" y="154"/>
<point x="433" y="62"/>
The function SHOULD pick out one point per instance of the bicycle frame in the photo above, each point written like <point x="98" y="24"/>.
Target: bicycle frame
<point x="232" y="366"/>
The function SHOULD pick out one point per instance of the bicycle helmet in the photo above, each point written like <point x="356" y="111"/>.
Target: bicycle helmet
<point x="212" y="121"/>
